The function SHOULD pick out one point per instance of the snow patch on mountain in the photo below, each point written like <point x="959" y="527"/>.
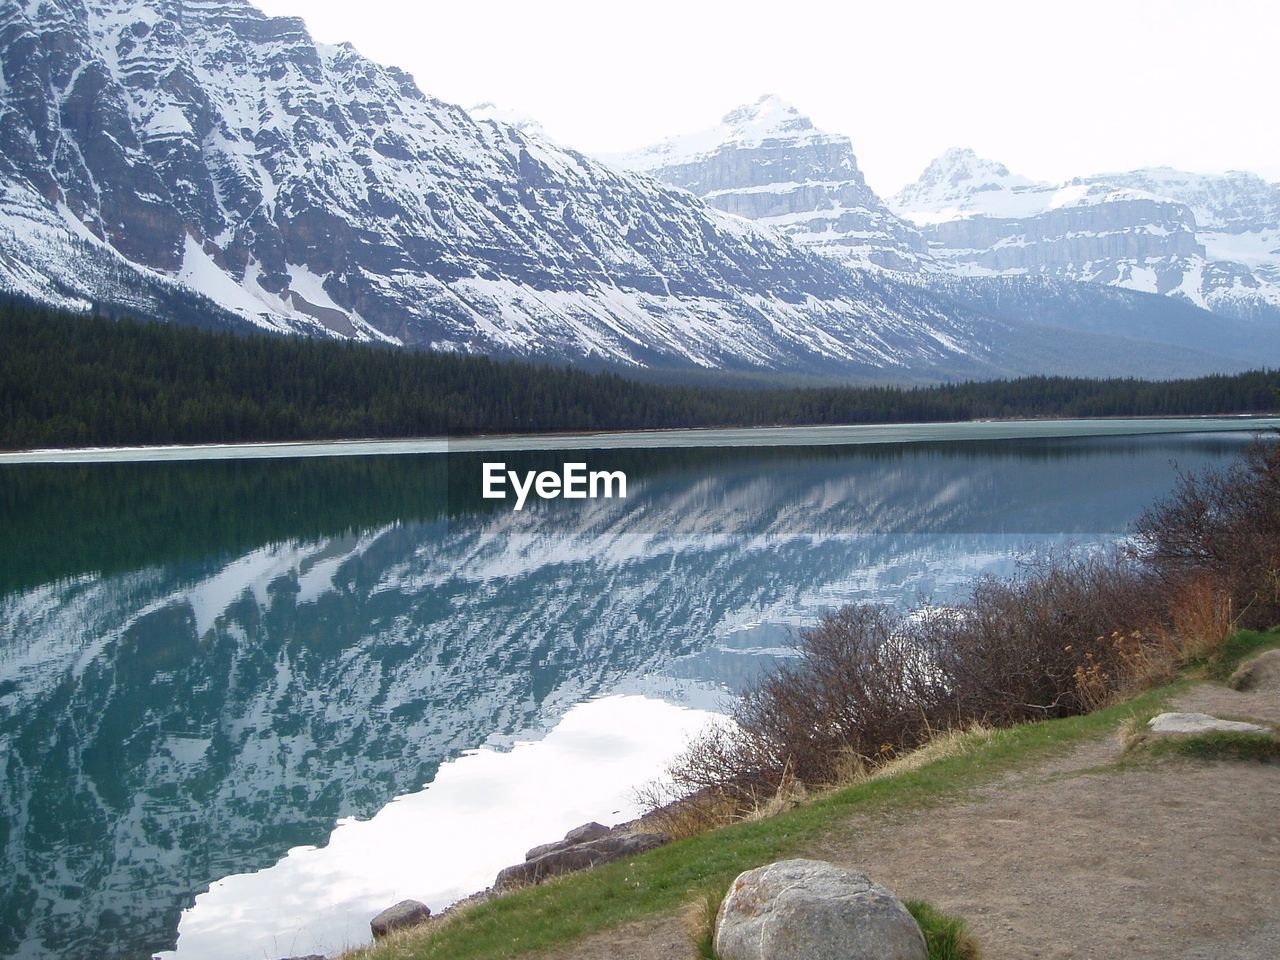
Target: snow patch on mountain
<point x="518" y="120"/>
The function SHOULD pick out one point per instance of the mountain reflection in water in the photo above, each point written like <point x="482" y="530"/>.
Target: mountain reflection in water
<point x="205" y="666"/>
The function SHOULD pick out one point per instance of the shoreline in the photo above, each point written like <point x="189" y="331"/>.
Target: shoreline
<point x="691" y="437"/>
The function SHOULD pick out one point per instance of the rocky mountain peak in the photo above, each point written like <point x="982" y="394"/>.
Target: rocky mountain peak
<point x="767" y="161"/>
<point x="954" y="175"/>
<point x="525" y="124"/>
<point x="152" y="147"/>
<point x="768" y="118"/>
<point x="158" y="156"/>
<point x="962" y="163"/>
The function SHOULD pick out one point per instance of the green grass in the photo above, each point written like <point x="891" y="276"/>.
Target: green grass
<point x="947" y="937"/>
<point x="1237" y="648"/>
<point x="1259" y="747"/>
<point x="704" y="926"/>
<point x="666" y="879"/>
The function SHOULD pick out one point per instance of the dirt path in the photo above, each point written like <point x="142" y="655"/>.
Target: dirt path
<point x="1169" y="859"/>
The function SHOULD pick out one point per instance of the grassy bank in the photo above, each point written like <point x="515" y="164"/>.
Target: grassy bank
<point x="691" y="870"/>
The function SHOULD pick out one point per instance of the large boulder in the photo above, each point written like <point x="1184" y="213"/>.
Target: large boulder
<point x="811" y="910"/>
<point x="1169" y="723"/>
<point x="406" y="913"/>
<point x="577" y="856"/>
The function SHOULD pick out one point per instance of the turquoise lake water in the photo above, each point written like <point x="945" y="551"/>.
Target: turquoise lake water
<point x="244" y="704"/>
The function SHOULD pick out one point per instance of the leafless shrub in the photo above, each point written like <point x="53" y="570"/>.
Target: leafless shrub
<point x="1222" y="527"/>
<point x="1055" y="641"/>
<point x="1067" y="635"/>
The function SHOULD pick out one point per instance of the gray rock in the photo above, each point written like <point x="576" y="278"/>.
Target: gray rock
<point x="543" y="849"/>
<point x="586" y="833"/>
<point x="309" y="956"/>
<point x="1170" y="723"/>
<point x="406" y="913"/>
<point x="796" y="178"/>
<point x="811" y="910"/>
<point x="583" y="834"/>
<point x="577" y="856"/>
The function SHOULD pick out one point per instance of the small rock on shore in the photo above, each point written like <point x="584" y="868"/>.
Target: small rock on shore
<point x="406" y="913"/>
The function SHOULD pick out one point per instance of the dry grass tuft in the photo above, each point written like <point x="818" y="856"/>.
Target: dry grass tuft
<point x="407" y="944"/>
<point x="700" y="925"/>
<point x="949" y="743"/>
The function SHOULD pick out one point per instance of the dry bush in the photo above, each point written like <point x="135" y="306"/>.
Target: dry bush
<point x="860" y="691"/>
<point x="1050" y="643"/>
<point x="678" y="816"/>
<point x="1066" y="636"/>
<point x="1200" y="615"/>
<point x="1222" y="527"/>
<point x="870" y="684"/>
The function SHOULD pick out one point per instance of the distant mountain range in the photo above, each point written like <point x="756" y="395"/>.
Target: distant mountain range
<point x="206" y="163"/>
<point x="1003" y="243"/>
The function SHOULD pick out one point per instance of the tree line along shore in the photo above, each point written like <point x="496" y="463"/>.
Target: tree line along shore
<point x="72" y="380"/>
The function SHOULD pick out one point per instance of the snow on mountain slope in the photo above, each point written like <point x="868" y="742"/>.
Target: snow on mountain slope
<point x="1237" y="219"/>
<point x="303" y="187"/>
<point x="961" y="184"/>
<point x="768" y="162"/>
<point x="202" y="161"/>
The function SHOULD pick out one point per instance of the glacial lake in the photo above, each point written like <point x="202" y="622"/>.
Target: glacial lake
<point x="247" y="703"/>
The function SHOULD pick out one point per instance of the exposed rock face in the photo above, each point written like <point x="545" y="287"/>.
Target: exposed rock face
<point x="400" y="916"/>
<point x="768" y="162"/>
<point x="208" y="163"/>
<point x="811" y="910"/>
<point x="1172" y="723"/>
<point x="567" y="857"/>
<point x="1213" y="241"/>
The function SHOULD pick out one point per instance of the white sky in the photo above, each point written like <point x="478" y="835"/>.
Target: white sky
<point x="1051" y="89"/>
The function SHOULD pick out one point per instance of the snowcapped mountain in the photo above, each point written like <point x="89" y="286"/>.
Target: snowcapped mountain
<point x="960" y="180"/>
<point x="1072" y="255"/>
<point x="1213" y="241"/>
<point x="151" y="148"/>
<point x="204" y="162"/>
<point x="766" y="161"/>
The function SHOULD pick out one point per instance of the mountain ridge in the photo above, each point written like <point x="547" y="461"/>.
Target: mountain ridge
<point x="309" y="190"/>
<point x="155" y="150"/>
